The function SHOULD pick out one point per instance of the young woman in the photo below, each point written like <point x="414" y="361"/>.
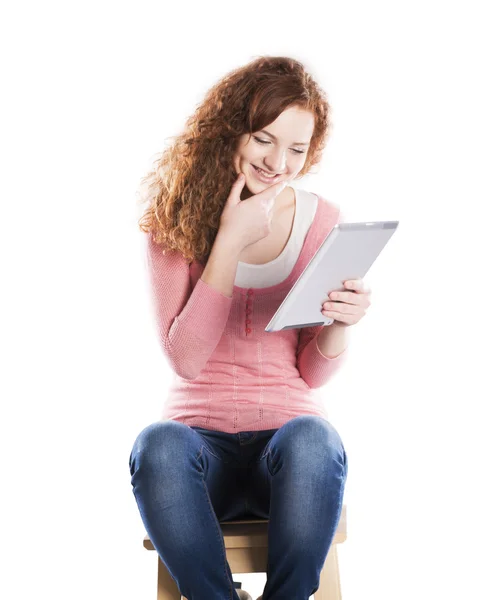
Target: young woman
<point x="244" y="432"/>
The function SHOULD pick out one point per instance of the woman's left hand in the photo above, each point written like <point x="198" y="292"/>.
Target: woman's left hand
<point x="349" y="307"/>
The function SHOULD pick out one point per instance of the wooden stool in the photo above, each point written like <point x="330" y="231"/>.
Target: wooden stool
<point x="246" y="544"/>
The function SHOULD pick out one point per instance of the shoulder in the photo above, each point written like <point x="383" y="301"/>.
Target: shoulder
<point x="327" y="211"/>
<point x="321" y="201"/>
<point x="159" y="257"/>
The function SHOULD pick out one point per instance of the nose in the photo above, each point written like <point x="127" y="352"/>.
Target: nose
<point x="276" y="161"/>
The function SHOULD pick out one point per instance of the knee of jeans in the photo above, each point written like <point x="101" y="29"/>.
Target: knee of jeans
<point x="155" y="440"/>
<point x="311" y="432"/>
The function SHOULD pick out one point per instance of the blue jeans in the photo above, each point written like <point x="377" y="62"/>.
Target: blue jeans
<point x="186" y="480"/>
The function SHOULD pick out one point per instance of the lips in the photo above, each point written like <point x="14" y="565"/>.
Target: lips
<point x="263" y="178"/>
<point x="265" y="173"/>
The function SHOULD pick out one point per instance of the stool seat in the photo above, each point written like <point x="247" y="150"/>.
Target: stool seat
<point x="246" y="545"/>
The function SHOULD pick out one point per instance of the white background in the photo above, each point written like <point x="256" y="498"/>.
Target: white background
<point x="90" y="93"/>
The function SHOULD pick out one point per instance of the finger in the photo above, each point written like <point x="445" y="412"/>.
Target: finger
<point x="348" y="297"/>
<point x="357" y="285"/>
<point x="240" y="180"/>
<point x="343" y="307"/>
<point x="273" y="191"/>
<point x="235" y="192"/>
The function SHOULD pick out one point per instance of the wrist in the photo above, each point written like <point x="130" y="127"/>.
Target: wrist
<point x="228" y="243"/>
<point x="333" y="339"/>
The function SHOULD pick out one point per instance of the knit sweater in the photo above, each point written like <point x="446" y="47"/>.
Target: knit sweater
<point x="229" y="374"/>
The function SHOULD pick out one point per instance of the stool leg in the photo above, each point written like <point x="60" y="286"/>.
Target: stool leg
<point x="167" y="588"/>
<point x="329" y="588"/>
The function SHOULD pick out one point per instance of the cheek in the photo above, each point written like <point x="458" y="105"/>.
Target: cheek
<point x="241" y="158"/>
<point x="296" y="166"/>
<point x="300" y="164"/>
<point x="249" y="155"/>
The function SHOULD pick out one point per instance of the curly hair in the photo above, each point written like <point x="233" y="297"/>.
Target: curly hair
<point x="190" y="182"/>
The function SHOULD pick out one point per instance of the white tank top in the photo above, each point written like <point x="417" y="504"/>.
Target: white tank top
<point x="275" y="271"/>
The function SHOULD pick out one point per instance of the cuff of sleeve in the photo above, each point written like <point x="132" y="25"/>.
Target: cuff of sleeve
<point x="206" y="311"/>
<point x="315" y="367"/>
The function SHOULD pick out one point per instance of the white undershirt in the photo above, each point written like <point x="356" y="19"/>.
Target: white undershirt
<point x="277" y="270"/>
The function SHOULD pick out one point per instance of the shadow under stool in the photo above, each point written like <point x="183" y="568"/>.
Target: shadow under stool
<point x="246" y="544"/>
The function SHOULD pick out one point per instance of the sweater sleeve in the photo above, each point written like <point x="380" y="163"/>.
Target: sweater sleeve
<point x="190" y="322"/>
<point x="314" y="367"/>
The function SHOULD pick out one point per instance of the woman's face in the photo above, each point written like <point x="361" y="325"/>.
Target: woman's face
<point x="278" y="149"/>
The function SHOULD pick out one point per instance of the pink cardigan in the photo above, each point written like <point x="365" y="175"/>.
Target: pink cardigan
<point x="230" y="374"/>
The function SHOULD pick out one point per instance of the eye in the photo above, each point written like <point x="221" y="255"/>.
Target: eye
<point x="260" y="141"/>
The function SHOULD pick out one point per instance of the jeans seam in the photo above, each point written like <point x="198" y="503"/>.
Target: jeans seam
<point x="219" y="533"/>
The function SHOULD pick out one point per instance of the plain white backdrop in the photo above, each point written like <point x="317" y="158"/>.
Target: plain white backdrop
<point x="91" y="93"/>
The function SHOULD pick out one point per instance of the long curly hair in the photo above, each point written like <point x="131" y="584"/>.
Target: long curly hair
<point x="190" y="182"/>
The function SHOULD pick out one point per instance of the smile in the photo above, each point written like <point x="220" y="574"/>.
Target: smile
<point x="263" y="176"/>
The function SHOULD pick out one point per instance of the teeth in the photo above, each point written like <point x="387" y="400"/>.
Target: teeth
<point x="264" y="173"/>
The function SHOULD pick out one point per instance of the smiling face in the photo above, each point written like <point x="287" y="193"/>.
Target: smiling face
<point x="279" y="150"/>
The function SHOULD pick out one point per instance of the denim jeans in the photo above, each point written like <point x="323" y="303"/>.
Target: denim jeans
<point x="187" y="480"/>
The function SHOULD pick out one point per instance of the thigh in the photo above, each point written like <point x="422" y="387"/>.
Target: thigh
<point x="306" y="445"/>
<point x="174" y="454"/>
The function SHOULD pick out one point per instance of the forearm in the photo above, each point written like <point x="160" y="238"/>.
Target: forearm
<point x="190" y="322"/>
<point x="333" y="339"/>
<point x="221" y="267"/>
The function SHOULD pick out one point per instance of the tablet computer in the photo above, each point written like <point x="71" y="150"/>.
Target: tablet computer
<point x="347" y="252"/>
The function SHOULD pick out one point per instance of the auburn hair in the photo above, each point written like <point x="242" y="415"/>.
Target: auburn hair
<point x="191" y="180"/>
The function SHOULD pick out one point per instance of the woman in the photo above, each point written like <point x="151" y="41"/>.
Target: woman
<point x="243" y="432"/>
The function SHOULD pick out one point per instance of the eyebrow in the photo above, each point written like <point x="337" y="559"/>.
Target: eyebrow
<point x="274" y="138"/>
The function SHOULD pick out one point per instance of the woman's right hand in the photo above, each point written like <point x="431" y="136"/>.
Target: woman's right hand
<point x="247" y="221"/>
